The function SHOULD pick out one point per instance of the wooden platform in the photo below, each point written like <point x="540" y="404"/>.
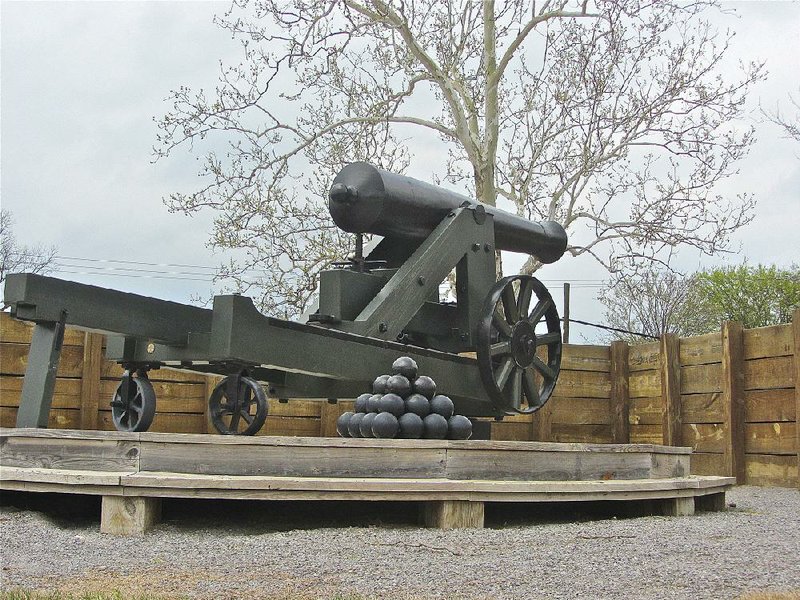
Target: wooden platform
<point x="452" y="479"/>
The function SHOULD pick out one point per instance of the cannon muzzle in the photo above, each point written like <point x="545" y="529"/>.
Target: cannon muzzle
<point x="365" y="199"/>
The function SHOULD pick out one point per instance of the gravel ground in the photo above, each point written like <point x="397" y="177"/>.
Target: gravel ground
<point x="257" y="550"/>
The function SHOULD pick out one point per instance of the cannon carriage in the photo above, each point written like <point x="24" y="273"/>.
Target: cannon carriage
<point x="496" y="348"/>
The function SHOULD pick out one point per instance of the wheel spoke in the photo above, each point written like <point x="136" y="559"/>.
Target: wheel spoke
<point x="503" y="372"/>
<point x="531" y="388"/>
<point x="234" y="424"/>
<point x="548" y="338"/>
<point x="500" y="322"/>
<point x="246" y="416"/>
<point x="248" y="399"/>
<point x="539" y="310"/>
<point x="510" y="304"/>
<point x="500" y="348"/>
<point x="515" y="388"/>
<point x="544" y="369"/>
<point x="525" y="294"/>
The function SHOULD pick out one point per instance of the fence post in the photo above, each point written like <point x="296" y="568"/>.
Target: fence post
<point x="796" y="328"/>
<point x="329" y="414"/>
<point x="670" y="390"/>
<point x="211" y="383"/>
<point x="733" y="399"/>
<point x="620" y="392"/>
<point x="90" y="379"/>
<point x="542" y="423"/>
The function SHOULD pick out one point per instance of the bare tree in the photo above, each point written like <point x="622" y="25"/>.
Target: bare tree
<point x="611" y="117"/>
<point x="654" y="302"/>
<point x="789" y="125"/>
<point x="16" y="258"/>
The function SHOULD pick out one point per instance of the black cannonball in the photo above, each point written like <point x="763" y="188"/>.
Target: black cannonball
<point x="354" y="425"/>
<point x="434" y="427"/>
<point x="385" y="425"/>
<point x="361" y="403"/>
<point x="392" y="403"/>
<point x="442" y="405"/>
<point x="399" y="385"/>
<point x="366" y="425"/>
<point x="411" y="426"/>
<point x="459" y="427"/>
<point x="374" y="403"/>
<point x="419" y="405"/>
<point x="425" y="385"/>
<point x="379" y="385"/>
<point x="342" y="423"/>
<point x="405" y="366"/>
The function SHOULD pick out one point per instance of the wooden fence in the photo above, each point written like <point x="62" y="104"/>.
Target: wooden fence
<point x="733" y="396"/>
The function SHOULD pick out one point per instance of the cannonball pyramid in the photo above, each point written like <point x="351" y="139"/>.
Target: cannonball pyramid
<point x="404" y="405"/>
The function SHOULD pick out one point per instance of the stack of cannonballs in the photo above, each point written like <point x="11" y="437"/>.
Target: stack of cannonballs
<point x="404" y="405"/>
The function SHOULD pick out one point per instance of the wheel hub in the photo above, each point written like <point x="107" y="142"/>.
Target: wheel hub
<point x="523" y="343"/>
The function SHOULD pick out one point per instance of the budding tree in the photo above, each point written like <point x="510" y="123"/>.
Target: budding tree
<point x="612" y="117"/>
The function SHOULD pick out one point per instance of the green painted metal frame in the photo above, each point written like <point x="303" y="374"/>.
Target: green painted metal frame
<point x="333" y="361"/>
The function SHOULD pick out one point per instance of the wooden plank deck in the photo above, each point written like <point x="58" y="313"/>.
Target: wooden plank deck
<point x="452" y="479"/>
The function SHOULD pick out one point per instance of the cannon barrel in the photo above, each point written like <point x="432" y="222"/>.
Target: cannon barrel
<point x="365" y="199"/>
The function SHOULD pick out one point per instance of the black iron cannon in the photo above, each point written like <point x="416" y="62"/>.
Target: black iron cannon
<point x="495" y="347"/>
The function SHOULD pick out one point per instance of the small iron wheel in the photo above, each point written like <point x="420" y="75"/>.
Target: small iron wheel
<point x="238" y="406"/>
<point x="134" y="403"/>
<point x="516" y="377"/>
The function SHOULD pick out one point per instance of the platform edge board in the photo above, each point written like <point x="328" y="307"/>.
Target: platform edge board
<point x="74" y="453"/>
<point x="298" y="461"/>
<point x="65" y="476"/>
<point x="323" y="484"/>
<point x="203" y="438"/>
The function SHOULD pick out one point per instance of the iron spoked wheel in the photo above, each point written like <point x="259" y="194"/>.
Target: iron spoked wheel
<point x="134" y="404"/>
<point x="238" y="406"/>
<point x="515" y="377"/>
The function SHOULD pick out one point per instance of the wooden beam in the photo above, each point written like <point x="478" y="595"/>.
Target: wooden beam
<point x="121" y="515"/>
<point x="796" y="328"/>
<point x="542" y="423"/>
<point x="620" y="392"/>
<point x="90" y="379"/>
<point x="678" y="507"/>
<point x="732" y="385"/>
<point x="670" y="390"/>
<point x="329" y="414"/>
<point x="211" y="383"/>
<point x="453" y="514"/>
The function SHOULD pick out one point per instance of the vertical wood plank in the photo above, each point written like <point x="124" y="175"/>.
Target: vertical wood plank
<point x="796" y="328"/>
<point x="211" y="383"/>
<point x="732" y="385"/>
<point x="620" y="392"/>
<point x="90" y="379"/>
<point x="670" y="390"/>
<point x="328" y="416"/>
<point x="542" y="423"/>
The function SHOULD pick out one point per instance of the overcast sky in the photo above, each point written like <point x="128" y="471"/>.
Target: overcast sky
<point x="82" y="81"/>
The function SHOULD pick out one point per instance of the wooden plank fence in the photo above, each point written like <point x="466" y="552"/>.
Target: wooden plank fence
<point x="732" y="395"/>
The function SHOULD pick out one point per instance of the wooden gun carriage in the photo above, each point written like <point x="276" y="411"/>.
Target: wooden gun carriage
<point x="373" y="308"/>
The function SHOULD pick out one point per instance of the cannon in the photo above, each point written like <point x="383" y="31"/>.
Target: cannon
<point x="494" y="345"/>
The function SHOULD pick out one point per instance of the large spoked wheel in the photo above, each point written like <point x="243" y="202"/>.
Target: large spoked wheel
<point x="238" y="406"/>
<point x="517" y="378"/>
<point x="134" y="404"/>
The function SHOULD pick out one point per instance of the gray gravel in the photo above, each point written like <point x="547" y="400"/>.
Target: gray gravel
<point x="231" y="550"/>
